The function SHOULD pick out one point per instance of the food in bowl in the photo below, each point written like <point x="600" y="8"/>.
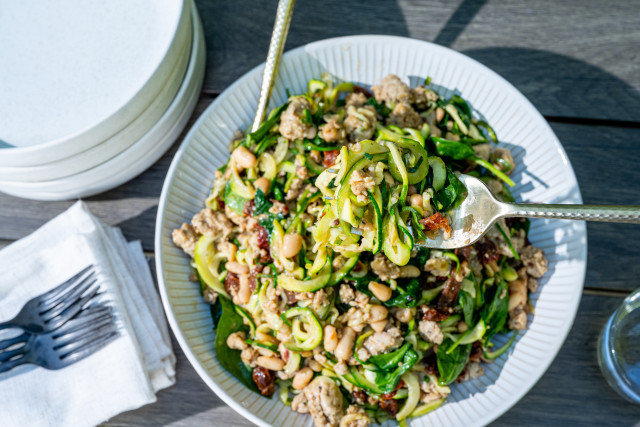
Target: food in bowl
<point x="306" y="251"/>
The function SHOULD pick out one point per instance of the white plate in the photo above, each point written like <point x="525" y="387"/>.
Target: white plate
<point x="115" y="144"/>
<point x="543" y="174"/>
<point x="77" y="72"/>
<point x="140" y="155"/>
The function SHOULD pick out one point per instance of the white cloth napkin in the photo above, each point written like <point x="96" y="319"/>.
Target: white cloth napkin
<point x="122" y="376"/>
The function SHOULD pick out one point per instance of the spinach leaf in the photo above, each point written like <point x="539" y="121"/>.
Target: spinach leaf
<point x="387" y="381"/>
<point x="421" y="258"/>
<point x="467" y="303"/>
<point x="453" y="149"/>
<point x="381" y="109"/>
<point x="262" y="204"/>
<point x="216" y="312"/>
<point x="388" y="361"/>
<point x="451" y="365"/>
<point x="277" y="189"/>
<point x="231" y="322"/>
<point x="453" y="190"/>
<point x="235" y="202"/>
<point x="461" y="106"/>
<point x="496" y="313"/>
<point x="406" y="298"/>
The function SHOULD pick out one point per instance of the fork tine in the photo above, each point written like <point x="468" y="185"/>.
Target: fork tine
<point x="85" y="318"/>
<point x="81" y="330"/>
<point x="67" y="311"/>
<point x="6" y="356"/>
<point x="53" y="293"/>
<point x="79" y="286"/>
<point x="86" y="339"/>
<point x="69" y="298"/>
<point x="89" y="349"/>
<point x="4" y="344"/>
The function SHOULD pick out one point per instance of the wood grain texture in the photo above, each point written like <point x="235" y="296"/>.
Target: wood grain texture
<point x="558" y="398"/>
<point x="570" y="58"/>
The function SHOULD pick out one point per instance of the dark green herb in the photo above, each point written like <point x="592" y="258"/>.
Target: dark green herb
<point x="451" y="365"/>
<point x="382" y="109"/>
<point x="454" y="149"/>
<point x="278" y="190"/>
<point x="229" y="322"/>
<point x="406" y="298"/>
<point x="262" y="204"/>
<point x="496" y="313"/>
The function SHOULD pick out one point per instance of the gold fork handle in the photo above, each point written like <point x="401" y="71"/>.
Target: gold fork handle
<point x="276" y="46"/>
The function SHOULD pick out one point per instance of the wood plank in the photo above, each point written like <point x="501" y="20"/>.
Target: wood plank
<point x="558" y="398"/>
<point x="573" y="391"/>
<point x="583" y="67"/>
<point x="599" y="155"/>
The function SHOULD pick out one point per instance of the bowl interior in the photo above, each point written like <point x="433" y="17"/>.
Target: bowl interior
<point x="543" y="174"/>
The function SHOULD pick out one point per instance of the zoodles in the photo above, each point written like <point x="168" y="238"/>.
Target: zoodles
<point x="306" y="251"/>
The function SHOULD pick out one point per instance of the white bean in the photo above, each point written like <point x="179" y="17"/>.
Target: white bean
<point x="291" y="245"/>
<point x="237" y="268"/>
<point x="244" y="158"/>
<point x="244" y="293"/>
<point x="302" y="378"/>
<point x="416" y="200"/>
<point x="263" y="184"/>
<point x="382" y="292"/>
<point x="271" y="363"/>
<point x="378" y="312"/>
<point x="345" y="346"/>
<point x="330" y="338"/>
<point x="409" y="271"/>
<point x="439" y="114"/>
<point x="379" y="325"/>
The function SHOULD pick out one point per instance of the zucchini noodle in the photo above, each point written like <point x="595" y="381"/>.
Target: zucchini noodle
<point x="308" y="252"/>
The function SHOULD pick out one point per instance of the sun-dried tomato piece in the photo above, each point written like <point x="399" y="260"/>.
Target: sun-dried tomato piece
<point x="265" y="380"/>
<point x="249" y="207"/>
<point x="330" y="157"/>
<point x="449" y="296"/>
<point x="433" y="314"/>
<point x="360" y="396"/>
<point x="486" y="252"/>
<point x="262" y="237"/>
<point x="231" y="283"/>
<point x="476" y="351"/>
<point x="390" y="406"/>
<point x="436" y="221"/>
<point x="364" y="90"/>
<point x="393" y="393"/>
<point x="431" y="364"/>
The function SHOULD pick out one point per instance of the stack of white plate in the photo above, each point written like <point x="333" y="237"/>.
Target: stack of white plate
<point x="93" y="93"/>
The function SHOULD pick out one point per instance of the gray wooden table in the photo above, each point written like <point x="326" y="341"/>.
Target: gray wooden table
<point x="578" y="62"/>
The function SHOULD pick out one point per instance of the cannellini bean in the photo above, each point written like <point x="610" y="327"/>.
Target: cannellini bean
<point x="272" y="363"/>
<point x="378" y="312"/>
<point x="244" y="158"/>
<point x="237" y="268"/>
<point x="315" y="366"/>
<point x="404" y="315"/>
<point x="330" y="338"/>
<point x="291" y="245"/>
<point x="416" y="200"/>
<point x="380" y="291"/>
<point x="409" y="271"/>
<point x="379" y="325"/>
<point x="244" y="292"/>
<point x="302" y="378"/>
<point x="263" y="184"/>
<point x="345" y="346"/>
<point x="439" y="114"/>
<point x="306" y="353"/>
<point x="235" y="341"/>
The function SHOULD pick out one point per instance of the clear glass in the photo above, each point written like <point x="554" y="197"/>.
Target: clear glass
<point x="619" y="349"/>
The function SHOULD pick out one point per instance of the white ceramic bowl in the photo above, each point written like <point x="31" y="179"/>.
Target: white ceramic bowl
<point x="139" y="156"/>
<point x="101" y="66"/>
<point x="543" y="174"/>
<point x="115" y="144"/>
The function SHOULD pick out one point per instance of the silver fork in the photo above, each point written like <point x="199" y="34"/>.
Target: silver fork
<point x="78" y="338"/>
<point x="52" y="309"/>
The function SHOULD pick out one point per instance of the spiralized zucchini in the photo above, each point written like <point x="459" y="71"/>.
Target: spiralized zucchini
<point x="307" y="249"/>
